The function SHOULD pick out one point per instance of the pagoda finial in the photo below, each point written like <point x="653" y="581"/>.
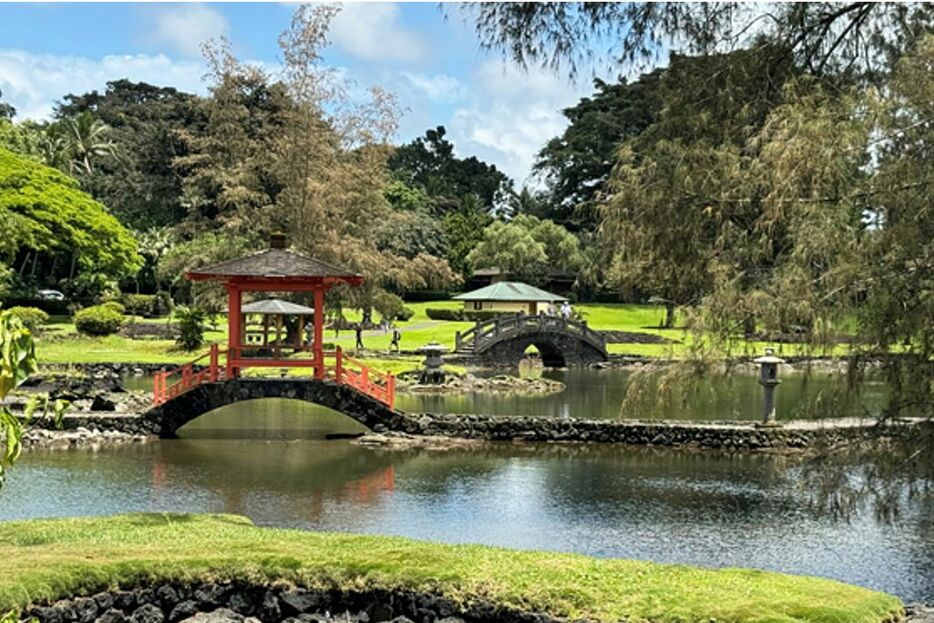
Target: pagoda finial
<point x="278" y="240"/>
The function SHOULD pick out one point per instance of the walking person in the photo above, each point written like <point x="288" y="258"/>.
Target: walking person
<point x="358" y="331"/>
<point x="396" y="337"/>
<point x="566" y="311"/>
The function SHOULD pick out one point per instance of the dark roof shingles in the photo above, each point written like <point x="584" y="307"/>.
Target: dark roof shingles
<point x="274" y="263"/>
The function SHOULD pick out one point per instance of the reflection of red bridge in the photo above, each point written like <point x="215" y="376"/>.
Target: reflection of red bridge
<point x="325" y="365"/>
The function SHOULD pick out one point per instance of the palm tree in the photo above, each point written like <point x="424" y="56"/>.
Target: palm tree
<point x="87" y="141"/>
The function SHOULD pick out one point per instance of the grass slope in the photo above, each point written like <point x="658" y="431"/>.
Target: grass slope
<point x="47" y="559"/>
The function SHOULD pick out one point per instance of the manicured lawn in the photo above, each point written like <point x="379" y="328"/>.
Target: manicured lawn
<point x="59" y="342"/>
<point x="48" y="559"/>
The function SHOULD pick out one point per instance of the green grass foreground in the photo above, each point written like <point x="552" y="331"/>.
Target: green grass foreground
<point x="47" y="559"/>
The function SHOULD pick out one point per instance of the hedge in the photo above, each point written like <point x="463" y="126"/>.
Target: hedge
<point x="464" y="315"/>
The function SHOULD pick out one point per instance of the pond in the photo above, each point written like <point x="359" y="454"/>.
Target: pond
<point x="598" y="394"/>
<point x="704" y="508"/>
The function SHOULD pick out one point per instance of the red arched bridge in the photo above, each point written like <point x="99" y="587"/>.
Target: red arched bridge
<point x="333" y="366"/>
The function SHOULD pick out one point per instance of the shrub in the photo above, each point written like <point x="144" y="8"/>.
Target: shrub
<point x="190" y="327"/>
<point x="388" y="305"/>
<point x="436" y="313"/>
<point x="474" y="315"/>
<point x="31" y="317"/>
<point x="140" y="304"/>
<point x="164" y="304"/>
<point x="406" y="314"/>
<point x="464" y="315"/>
<point x="117" y="306"/>
<point x="98" y="320"/>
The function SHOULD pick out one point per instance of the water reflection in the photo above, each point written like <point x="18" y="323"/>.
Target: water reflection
<point x="703" y="508"/>
<point x="599" y="394"/>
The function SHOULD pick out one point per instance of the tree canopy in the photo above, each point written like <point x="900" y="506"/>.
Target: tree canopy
<point x="527" y="247"/>
<point x="46" y="217"/>
<point x="429" y="163"/>
<point x="576" y="164"/>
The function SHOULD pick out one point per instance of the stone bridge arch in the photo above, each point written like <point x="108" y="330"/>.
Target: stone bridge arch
<point x="167" y="418"/>
<point x="557" y="350"/>
<point x="504" y="340"/>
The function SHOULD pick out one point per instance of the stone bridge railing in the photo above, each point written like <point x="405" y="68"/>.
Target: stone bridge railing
<point x="488" y="332"/>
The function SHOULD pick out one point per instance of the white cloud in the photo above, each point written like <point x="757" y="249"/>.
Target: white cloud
<point x="186" y="26"/>
<point x="438" y="88"/>
<point x="513" y="114"/>
<point x="373" y="32"/>
<point x="34" y="82"/>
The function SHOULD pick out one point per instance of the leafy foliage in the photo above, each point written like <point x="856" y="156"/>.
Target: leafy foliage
<point x="45" y="213"/>
<point x="429" y="163"/>
<point x="98" y="320"/>
<point x="31" y="317"/>
<point x="527" y="247"/>
<point x="190" y="327"/>
<point x="577" y="164"/>
<point x="147" y="125"/>
<point x="17" y="362"/>
<point x="822" y="37"/>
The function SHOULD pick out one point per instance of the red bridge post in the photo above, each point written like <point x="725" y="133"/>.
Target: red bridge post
<point x="339" y="365"/>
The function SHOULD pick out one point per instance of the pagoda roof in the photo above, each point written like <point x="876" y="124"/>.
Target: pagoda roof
<point x="509" y="291"/>
<point x="270" y="307"/>
<point x="275" y="265"/>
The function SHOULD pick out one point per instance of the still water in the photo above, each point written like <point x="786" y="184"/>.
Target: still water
<point x="702" y="508"/>
<point x="598" y="394"/>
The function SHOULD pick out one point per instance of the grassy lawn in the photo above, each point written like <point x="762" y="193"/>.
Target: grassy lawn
<point x="59" y="343"/>
<point x="48" y="559"/>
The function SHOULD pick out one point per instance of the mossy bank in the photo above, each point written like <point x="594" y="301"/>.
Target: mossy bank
<point x="45" y="560"/>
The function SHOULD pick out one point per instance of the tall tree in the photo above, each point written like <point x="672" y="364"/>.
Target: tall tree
<point x="660" y="223"/>
<point x="576" y="164"/>
<point x="7" y="112"/>
<point x="527" y="247"/>
<point x="230" y="180"/>
<point x="140" y="185"/>
<point x="429" y="162"/>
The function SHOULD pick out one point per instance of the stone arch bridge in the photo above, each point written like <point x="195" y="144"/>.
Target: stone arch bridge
<point x="166" y="418"/>
<point x="505" y="339"/>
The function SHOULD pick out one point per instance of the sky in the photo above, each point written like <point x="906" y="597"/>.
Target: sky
<point x="430" y="58"/>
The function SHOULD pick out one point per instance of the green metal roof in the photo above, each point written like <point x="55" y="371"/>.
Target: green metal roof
<point x="509" y="291"/>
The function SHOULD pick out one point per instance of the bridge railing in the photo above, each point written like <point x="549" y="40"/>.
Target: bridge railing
<point x="334" y="365"/>
<point x="380" y="385"/>
<point x="505" y="325"/>
<point x="171" y="383"/>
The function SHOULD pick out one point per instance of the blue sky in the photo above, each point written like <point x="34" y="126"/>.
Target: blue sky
<point x="430" y="59"/>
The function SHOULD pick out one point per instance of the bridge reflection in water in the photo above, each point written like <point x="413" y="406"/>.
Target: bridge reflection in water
<point x="211" y="453"/>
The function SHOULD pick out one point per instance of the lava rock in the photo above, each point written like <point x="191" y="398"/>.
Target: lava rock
<point x="183" y="610"/>
<point x="112" y="616"/>
<point x="147" y="613"/>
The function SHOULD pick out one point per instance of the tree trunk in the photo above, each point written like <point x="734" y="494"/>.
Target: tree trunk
<point x="669" y="315"/>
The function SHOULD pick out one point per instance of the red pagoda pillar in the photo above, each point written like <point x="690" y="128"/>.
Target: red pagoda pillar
<point x="234" y="318"/>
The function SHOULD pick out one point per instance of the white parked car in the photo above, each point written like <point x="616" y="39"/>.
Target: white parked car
<point x="51" y="295"/>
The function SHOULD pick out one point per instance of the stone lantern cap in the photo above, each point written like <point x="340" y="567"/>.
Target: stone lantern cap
<point x="432" y="348"/>
<point x="769" y="357"/>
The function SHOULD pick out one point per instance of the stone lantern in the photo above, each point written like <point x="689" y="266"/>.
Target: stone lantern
<point x="768" y="379"/>
<point x="433" y="371"/>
